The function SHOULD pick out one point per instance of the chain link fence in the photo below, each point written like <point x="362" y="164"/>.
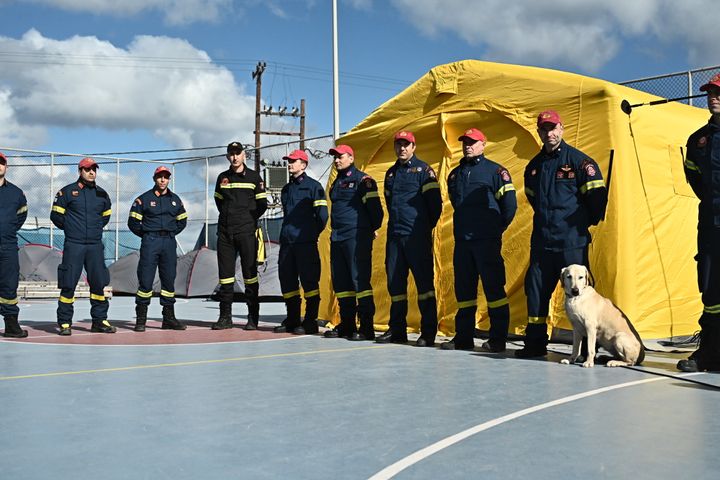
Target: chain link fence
<point x="673" y="85"/>
<point x="41" y="174"/>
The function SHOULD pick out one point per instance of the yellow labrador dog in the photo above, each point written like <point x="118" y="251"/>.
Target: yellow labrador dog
<point x="595" y="317"/>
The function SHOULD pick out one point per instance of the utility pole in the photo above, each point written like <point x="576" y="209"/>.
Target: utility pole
<point x="257" y="75"/>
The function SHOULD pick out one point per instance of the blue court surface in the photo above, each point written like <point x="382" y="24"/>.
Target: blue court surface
<point x="202" y="404"/>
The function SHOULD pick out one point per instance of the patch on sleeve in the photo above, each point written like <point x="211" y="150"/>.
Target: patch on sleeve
<point x="224" y="181"/>
<point x="589" y="168"/>
<point x="504" y="174"/>
<point x="138" y="201"/>
<point x="431" y="172"/>
<point x="59" y="193"/>
<point x="261" y="185"/>
<point x="368" y="182"/>
<point x="702" y="141"/>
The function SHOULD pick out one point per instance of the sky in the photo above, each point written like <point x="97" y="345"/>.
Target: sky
<point x="92" y="76"/>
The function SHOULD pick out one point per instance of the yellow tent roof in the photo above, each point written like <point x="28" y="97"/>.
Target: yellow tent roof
<point x="641" y="255"/>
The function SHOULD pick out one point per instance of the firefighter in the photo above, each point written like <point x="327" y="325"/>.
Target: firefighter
<point x="567" y="192"/>
<point x="241" y="200"/>
<point x="82" y="209"/>
<point x="13" y="212"/>
<point x="483" y="196"/>
<point x="304" y="218"/>
<point x="157" y="216"/>
<point x="702" y="169"/>
<point x="355" y="216"/>
<point x="414" y="204"/>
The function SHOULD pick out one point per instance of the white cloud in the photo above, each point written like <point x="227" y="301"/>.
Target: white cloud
<point x="582" y="34"/>
<point x="159" y="84"/>
<point x="13" y="133"/>
<point x="176" y="12"/>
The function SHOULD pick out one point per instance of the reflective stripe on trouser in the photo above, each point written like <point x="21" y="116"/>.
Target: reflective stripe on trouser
<point x="10" y="268"/>
<point x="540" y="281"/>
<point x="480" y="259"/>
<point x="228" y="247"/>
<point x="350" y="268"/>
<point x="75" y="256"/>
<point x="301" y="260"/>
<point x="402" y="255"/>
<point x="156" y="253"/>
<point x="708" y="269"/>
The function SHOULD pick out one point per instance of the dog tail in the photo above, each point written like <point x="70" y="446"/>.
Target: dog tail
<point x="641" y="355"/>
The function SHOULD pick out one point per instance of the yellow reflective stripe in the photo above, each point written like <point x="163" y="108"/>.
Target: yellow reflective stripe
<point x="250" y="186"/>
<point x="508" y="187"/>
<point x="182" y="216"/>
<point x="65" y="325"/>
<point x="344" y="294"/>
<point x="363" y="294"/>
<point x="22" y="209"/>
<point x="167" y="294"/>
<point x="467" y="303"/>
<point x="320" y="203"/>
<point x="591" y="185"/>
<point x="250" y="281"/>
<point x="100" y="298"/>
<point x="218" y="195"/>
<point x="690" y="165"/>
<point x="58" y="209"/>
<point x="426" y="295"/>
<point x="142" y="294"/>
<point x="107" y="212"/>
<point x="529" y="192"/>
<point x="9" y="301"/>
<point x="136" y="215"/>
<point x="67" y="300"/>
<point x="258" y="196"/>
<point x="712" y="308"/>
<point x="312" y="293"/>
<point x="430" y="186"/>
<point x="398" y="298"/>
<point x="537" y="320"/>
<point x="225" y="281"/>
<point x="294" y="293"/>
<point x="370" y="195"/>
<point x="498" y="303"/>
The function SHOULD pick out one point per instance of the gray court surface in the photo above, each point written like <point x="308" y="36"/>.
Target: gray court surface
<point x="236" y="405"/>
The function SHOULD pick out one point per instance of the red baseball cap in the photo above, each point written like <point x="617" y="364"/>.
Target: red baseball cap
<point x="160" y="170"/>
<point x="715" y="80"/>
<point x="296" y="155"/>
<point x="549" y="116"/>
<point x="3" y="159"/>
<point x="340" y="149"/>
<point x="473" y="134"/>
<point x="87" y="162"/>
<point x="405" y="135"/>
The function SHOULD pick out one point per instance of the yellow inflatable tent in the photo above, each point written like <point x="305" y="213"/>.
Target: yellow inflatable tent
<point x="641" y="255"/>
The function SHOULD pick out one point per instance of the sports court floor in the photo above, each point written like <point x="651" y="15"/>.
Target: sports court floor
<point x="201" y="404"/>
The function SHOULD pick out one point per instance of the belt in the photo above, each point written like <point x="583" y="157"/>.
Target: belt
<point x="161" y="233"/>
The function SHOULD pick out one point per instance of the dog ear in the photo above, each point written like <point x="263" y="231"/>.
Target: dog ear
<point x="589" y="280"/>
<point x="562" y="276"/>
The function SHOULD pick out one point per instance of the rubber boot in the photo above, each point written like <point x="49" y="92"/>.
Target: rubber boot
<point x="169" y="320"/>
<point x="253" y="316"/>
<point x="12" y="328"/>
<point x="309" y="324"/>
<point x="140" y="317"/>
<point x="707" y="356"/>
<point x="292" y="305"/>
<point x="366" y="331"/>
<point x="225" y="319"/>
<point x="536" y="340"/>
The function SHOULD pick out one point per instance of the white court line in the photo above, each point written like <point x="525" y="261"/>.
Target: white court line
<point x="422" y="454"/>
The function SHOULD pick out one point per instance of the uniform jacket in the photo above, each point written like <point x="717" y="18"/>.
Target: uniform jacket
<point x="483" y="196"/>
<point x="82" y="211"/>
<point x="240" y="199"/>
<point x="567" y="192"/>
<point x="13" y="212"/>
<point x="355" y="204"/>
<point x="152" y="212"/>
<point x="305" y="211"/>
<point x="702" y="169"/>
<point x="412" y="197"/>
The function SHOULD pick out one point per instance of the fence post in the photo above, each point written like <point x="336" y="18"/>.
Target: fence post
<point x="690" y="87"/>
<point x="52" y="192"/>
<point x="117" y="208"/>
<point x="207" y="200"/>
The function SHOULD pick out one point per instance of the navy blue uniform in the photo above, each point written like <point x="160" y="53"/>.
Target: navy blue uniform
<point x="82" y="210"/>
<point x="157" y="219"/>
<point x="356" y="214"/>
<point x="567" y="193"/>
<point x="412" y="197"/>
<point x="13" y="212"/>
<point x="305" y="215"/>
<point x="483" y="196"/>
<point x="241" y="200"/>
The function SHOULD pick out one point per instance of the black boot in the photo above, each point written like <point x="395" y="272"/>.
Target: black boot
<point x="102" y="326"/>
<point x="169" y="320"/>
<point x="292" y="305"/>
<point x="140" y="317"/>
<point x="366" y="331"/>
<point x="707" y="356"/>
<point x="309" y="325"/>
<point x="12" y="328"/>
<point x="225" y="318"/>
<point x="253" y="316"/>
<point x="536" y="340"/>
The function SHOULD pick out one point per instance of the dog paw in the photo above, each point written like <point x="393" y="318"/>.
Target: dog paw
<point x="565" y="361"/>
<point x="588" y="364"/>
<point x="616" y="363"/>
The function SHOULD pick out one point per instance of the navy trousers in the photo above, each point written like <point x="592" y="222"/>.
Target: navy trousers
<point x="10" y="268"/>
<point x="351" y="268"/>
<point x="75" y="257"/>
<point x="157" y="252"/>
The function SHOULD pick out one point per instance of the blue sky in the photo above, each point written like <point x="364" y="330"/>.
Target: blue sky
<point x="121" y="75"/>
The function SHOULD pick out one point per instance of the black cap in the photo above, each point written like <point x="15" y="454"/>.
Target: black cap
<point x="235" y="147"/>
